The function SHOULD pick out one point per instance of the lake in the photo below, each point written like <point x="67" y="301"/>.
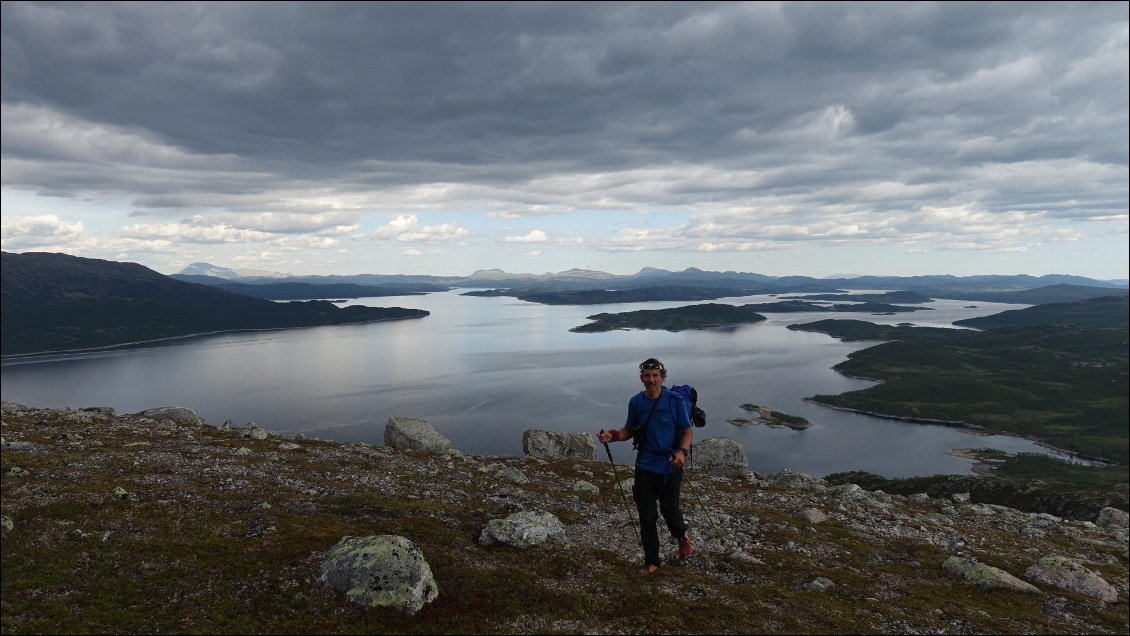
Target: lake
<point x="484" y="370"/>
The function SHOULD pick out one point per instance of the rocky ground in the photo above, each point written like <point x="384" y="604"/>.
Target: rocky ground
<point x="132" y="523"/>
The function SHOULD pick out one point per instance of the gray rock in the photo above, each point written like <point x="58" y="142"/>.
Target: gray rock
<point x="1068" y="574"/>
<point x="741" y="556"/>
<point x="985" y="576"/>
<point x="513" y="475"/>
<point x="6" y="523"/>
<point x="960" y="497"/>
<point x="408" y="433"/>
<point x="21" y="446"/>
<point x="289" y="446"/>
<point x="523" y="530"/>
<point x="177" y="414"/>
<point x="550" y="445"/>
<point x="584" y="486"/>
<point x="251" y="431"/>
<point x="11" y="407"/>
<point x="811" y="515"/>
<point x="1112" y="518"/>
<point x="123" y="494"/>
<point x="720" y="456"/>
<point x="791" y="479"/>
<point x="380" y="571"/>
<point x="819" y="584"/>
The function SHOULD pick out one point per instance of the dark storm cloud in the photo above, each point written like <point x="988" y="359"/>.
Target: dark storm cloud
<point x="174" y="101"/>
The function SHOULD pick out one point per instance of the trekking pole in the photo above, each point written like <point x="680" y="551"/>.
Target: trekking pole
<point x="616" y="477"/>
<point x="710" y="518"/>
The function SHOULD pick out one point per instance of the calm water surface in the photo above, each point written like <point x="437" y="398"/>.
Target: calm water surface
<point x="483" y="370"/>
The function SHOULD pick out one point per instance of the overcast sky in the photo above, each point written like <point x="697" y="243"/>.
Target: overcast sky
<point x="792" y="138"/>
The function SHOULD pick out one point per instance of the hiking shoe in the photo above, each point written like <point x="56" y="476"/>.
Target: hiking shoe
<point x="685" y="545"/>
<point x="649" y="569"/>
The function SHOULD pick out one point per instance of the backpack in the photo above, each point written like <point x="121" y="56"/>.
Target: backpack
<point x="688" y="394"/>
<point x="681" y="392"/>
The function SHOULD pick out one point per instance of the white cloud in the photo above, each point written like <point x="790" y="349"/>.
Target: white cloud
<point x="20" y="231"/>
<point x="403" y="228"/>
<point x="535" y="236"/>
<point x="183" y="232"/>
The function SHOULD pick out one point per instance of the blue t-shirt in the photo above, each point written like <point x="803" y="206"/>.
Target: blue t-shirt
<point x="670" y="416"/>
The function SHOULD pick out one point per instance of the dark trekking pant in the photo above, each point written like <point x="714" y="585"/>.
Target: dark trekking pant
<point x="648" y="489"/>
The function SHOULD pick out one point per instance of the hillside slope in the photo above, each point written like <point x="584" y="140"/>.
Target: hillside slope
<point x="216" y="532"/>
<point x="54" y="302"/>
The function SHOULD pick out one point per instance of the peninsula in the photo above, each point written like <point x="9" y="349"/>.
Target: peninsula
<point x="56" y="302"/>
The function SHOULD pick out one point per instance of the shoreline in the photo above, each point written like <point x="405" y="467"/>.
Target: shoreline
<point x="15" y="357"/>
<point x="972" y="428"/>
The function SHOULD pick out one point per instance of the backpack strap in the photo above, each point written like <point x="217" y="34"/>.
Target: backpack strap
<point x="638" y="445"/>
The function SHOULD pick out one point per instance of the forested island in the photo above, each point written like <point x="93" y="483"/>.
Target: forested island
<point x="1063" y="383"/>
<point x="706" y="316"/>
<point x="56" y="302"/>
<point x="713" y="315"/>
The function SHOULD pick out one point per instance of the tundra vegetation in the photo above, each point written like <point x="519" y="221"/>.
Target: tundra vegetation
<point x="120" y="523"/>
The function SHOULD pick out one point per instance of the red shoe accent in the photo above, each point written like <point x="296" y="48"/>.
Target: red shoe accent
<point x="649" y="569"/>
<point x="685" y="545"/>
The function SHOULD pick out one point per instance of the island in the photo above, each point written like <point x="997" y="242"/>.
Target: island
<point x="705" y="316"/>
<point x="769" y="417"/>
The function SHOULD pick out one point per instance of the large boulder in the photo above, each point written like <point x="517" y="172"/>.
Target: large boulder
<point x="1111" y="518"/>
<point x="985" y="576"/>
<point x="523" y="530"/>
<point x="175" y="414"/>
<point x="408" y="433"/>
<point x="552" y="445"/>
<point x="719" y="456"/>
<point x="380" y="571"/>
<point x="1068" y="574"/>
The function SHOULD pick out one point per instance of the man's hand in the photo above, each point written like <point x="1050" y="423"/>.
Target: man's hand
<point x="678" y="457"/>
<point x="606" y="436"/>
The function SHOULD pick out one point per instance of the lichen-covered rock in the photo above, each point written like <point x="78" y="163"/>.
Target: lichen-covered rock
<point x="553" y="445"/>
<point x="1068" y="574"/>
<point x="585" y="486"/>
<point x="793" y="479"/>
<point x="381" y="571"/>
<point x="251" y="431"/>
<point x="513" y="475"/>
<point x="11" y="407"/>
<point x="409" y="433"/>
<point x="985" y="576"/>
<point x="1112" y="518"/>
<point x="523" y="530"/>
<point x="720" y="456"/>
<point x="177" y="414"/>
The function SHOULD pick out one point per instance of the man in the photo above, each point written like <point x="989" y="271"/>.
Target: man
<point x="660" y="423"/>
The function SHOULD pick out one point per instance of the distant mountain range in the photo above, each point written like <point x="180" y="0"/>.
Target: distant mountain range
<point x="55" y="302"/>
<point x="709" y="284"/>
